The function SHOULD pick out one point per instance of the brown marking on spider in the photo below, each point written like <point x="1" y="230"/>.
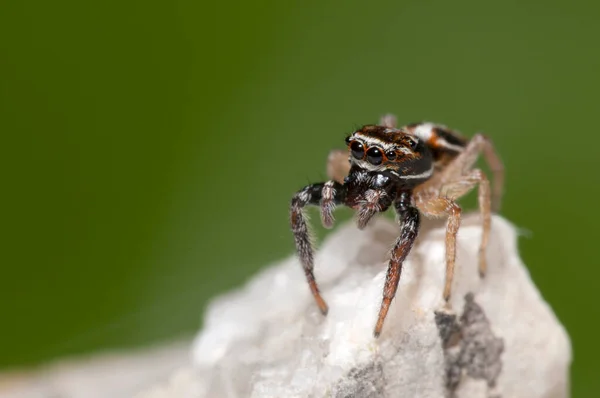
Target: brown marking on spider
<point x="422" y="168"/>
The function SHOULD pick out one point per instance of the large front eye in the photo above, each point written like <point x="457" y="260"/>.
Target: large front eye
<point x="358" y="150"/>
<point x="374" y="156"/>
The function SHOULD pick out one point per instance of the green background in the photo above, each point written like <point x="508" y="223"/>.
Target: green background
<point x="150" y="149"/>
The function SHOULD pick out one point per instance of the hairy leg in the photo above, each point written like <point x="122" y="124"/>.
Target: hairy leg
<point x="436" y="206"/>
<point x="465" y="161"/>
<point x="388" y="120"/>
<point x="338" y="165"/>
<point x="462" y="186"/>
<point x="326" y="194"/>
<point x="410" y="221"/>
<point x="497" y="167"/>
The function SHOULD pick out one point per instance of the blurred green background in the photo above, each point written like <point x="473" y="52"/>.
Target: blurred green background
<point x="151" y="148"/>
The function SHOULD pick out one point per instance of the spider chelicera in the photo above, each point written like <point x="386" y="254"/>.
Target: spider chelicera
<point x="421" y="168"/>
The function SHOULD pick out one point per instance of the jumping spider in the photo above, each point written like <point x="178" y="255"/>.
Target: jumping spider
<point x="421" y="168"/>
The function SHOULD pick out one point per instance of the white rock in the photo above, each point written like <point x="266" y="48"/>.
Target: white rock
<point x="269" y="340"/>
<point x="112" y="374"/>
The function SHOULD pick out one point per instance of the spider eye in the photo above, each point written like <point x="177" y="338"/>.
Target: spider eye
<point x="413" y="143"/>
<point x="348" y="140"/>
<point x="390" y="155"/>
<point x="358" y="150"/>
<point x="374" y="156"/>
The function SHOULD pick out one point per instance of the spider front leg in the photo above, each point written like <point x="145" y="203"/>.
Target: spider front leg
<point x="409" y="219"/>
<point x="327" y="195"/>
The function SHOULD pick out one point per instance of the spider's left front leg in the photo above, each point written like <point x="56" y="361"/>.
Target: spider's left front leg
<point x="327" y="195"/>
<point x="409" y="219"/>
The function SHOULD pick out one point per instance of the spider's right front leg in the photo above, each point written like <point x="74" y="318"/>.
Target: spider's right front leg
<point x="327" y="195"/>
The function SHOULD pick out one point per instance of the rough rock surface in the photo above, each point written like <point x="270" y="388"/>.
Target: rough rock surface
<point x="498" y="339"/>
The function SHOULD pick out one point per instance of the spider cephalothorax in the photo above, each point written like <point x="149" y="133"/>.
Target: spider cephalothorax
<point x="422" y="168"/>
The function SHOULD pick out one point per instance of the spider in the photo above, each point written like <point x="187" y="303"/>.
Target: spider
<point x="419" y="169"/>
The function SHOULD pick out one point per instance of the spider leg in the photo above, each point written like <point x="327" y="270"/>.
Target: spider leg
<point x="389" y="120"/>
<point x="465" y="161"/>
<point x="410" y="220"/>
<point x="434" y="206"/>
<point x="462" y="186"/>
<point x="497" y="168"/>
<point x="327" y="194"/>
<point x="338" y="166"/>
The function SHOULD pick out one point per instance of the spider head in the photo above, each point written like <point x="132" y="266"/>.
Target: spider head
<point x="380" y="148"/>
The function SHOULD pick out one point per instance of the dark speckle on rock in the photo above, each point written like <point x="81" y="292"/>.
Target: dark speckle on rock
<point x="470" y="347"/>
<point x="365" y="382"/>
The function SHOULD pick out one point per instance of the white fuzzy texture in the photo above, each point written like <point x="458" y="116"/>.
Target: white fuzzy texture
<point x="268" y="339"/>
